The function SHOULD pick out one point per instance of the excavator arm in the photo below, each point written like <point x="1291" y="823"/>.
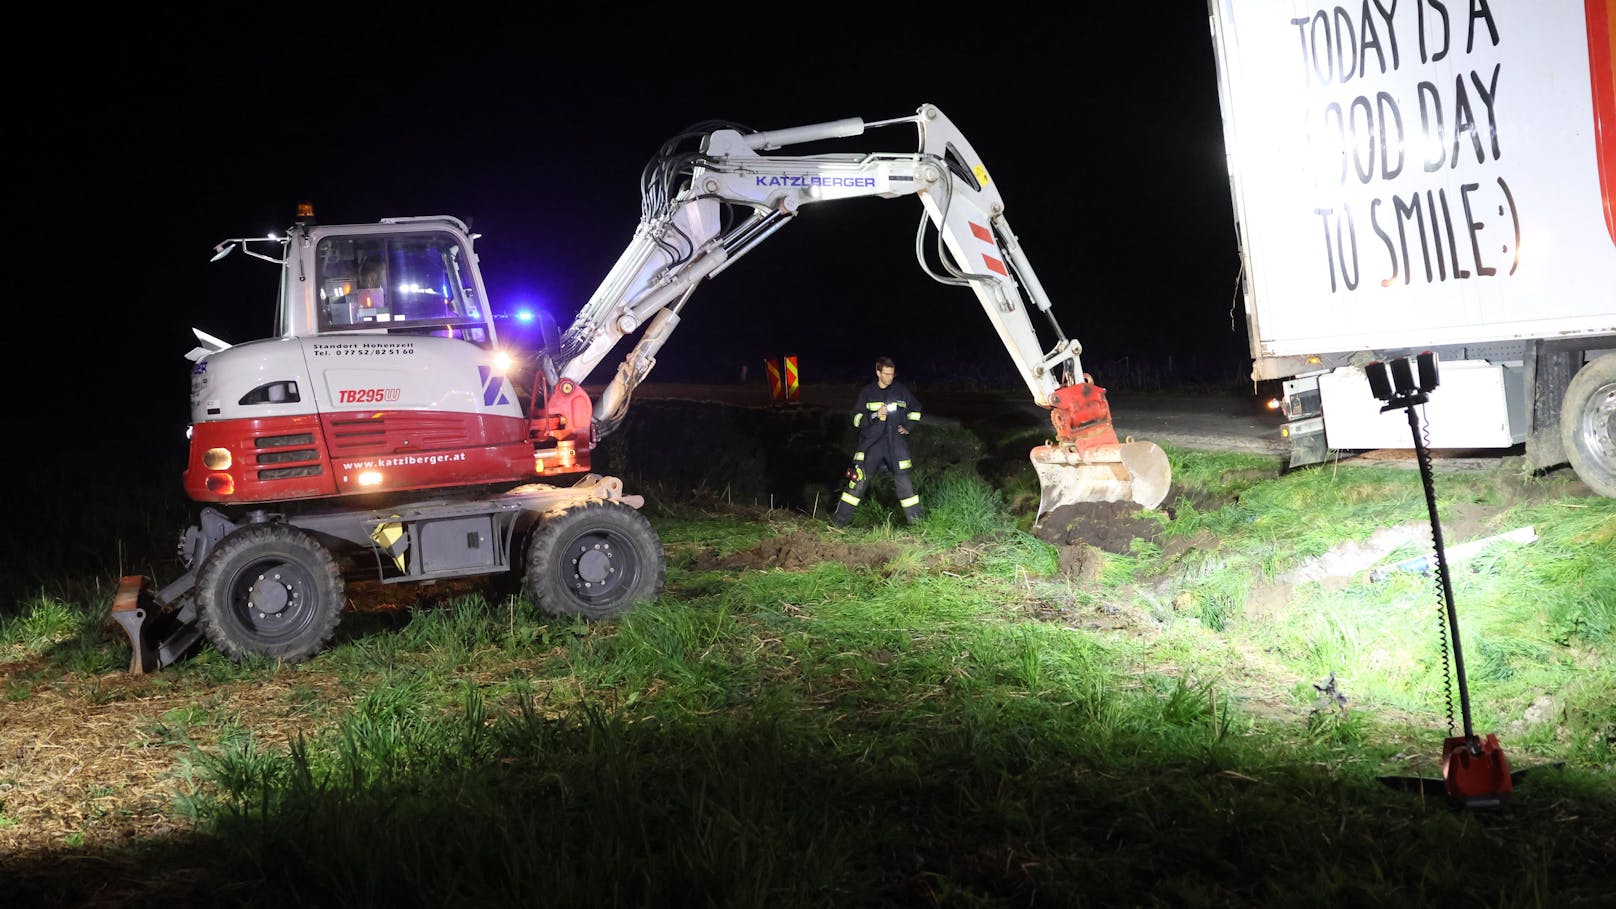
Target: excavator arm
<point x="712" y="194"/>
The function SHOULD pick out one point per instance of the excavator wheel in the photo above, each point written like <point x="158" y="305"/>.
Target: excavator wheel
<point x="269" y="590"/>
<point x="594" y="560"/>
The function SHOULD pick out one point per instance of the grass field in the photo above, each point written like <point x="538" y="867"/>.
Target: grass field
<point x="957" y="714"/>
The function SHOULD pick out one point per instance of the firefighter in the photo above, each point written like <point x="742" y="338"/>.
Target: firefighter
<point x="883" y="414"/>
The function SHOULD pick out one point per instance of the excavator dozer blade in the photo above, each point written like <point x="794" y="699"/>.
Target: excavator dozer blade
<point x="1135" y="472"/>
<point x="157" y="636"/>
<point x="141" y="621"/>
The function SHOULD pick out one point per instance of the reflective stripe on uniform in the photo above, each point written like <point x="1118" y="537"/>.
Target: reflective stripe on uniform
<point x="873" y="406"/>
<point x="858" y="456"/>
<point x="910" y="502"/>
<point x="857" y="419"/>
<point x="905" y="464"/>
<point x="914" y="414"/>
<point x="851" y="499"/>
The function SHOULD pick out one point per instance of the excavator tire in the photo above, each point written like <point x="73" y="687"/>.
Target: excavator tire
<point x="269" y="590"/>
<point x="593" y="560"/>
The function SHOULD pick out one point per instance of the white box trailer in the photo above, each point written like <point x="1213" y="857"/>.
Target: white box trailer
<point x="1429" y="175"/>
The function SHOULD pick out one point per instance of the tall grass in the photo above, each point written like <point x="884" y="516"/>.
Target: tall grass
<point x="958" y="725"/>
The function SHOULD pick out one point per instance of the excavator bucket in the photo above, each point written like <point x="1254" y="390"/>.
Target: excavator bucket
<point x="1087" y="463"/>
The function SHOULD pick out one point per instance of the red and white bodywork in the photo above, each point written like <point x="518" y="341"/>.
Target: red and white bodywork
<point x="384" y="377"/>
<point x="366" y="413"/>
<point x="383" y="389"/>
<point x="386" y="382"/>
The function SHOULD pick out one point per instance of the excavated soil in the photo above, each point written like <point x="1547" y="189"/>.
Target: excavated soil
<point x="1110" y="526"/>
<point x="795" y="552"/>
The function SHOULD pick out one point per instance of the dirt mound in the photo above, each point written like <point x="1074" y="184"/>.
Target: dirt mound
<point x="1109" y="526"/>
<point x="794" y="552"/>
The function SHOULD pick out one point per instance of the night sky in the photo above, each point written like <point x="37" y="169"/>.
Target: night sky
<point x="1102" y="131"/>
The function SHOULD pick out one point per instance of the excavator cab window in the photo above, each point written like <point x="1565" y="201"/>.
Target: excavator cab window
<point x="413" y="283"/>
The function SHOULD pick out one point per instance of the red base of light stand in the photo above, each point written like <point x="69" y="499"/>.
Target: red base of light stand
<point x="1476" y="773"/>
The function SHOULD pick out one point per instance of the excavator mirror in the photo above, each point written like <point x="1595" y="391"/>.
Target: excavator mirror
<point x="549" y="333"/>
<point x="532" y="329"/>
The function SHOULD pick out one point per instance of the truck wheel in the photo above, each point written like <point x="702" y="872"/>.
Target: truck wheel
<point x="594" y="560"/>
<point x="269" y="590"/>
<point x="1588" y="424"/>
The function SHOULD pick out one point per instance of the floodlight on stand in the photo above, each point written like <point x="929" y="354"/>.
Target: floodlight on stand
<point x="1475" y="772"/>
<point x="1427" y="369"/>
<point x="1380" y="381"/>
<point x="1403" y="376"/>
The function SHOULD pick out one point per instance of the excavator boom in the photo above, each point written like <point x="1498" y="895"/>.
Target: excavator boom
<point x="711" y="195"/>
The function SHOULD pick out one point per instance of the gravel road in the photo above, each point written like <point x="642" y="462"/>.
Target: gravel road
<point x="1203" y="422"/>
<point x="1212" y="422"/>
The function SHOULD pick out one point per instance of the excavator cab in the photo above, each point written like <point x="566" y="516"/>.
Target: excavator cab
<point x="405" y="282"/>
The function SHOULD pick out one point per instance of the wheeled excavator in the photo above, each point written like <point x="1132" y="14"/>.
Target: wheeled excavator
<point x="380" y="433"/>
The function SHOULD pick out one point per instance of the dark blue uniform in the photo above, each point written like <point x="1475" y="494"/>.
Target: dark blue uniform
<point x="882" y="444"/>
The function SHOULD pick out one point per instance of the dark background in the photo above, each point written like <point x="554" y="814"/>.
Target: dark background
<point x="178" y="130"/>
